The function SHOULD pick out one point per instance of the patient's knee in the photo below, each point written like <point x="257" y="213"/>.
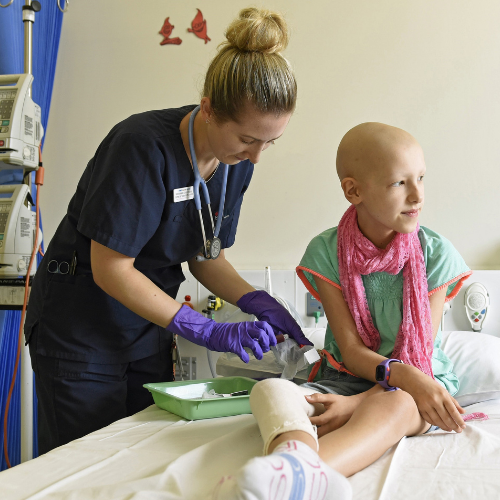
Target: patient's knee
<point x="405" y="402"/>
<point x="402" y="411"/>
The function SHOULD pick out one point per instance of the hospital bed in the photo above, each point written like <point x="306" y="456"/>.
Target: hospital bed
<point x="157" y="455"/>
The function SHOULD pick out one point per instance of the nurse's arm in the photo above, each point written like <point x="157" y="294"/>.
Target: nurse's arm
<point x="116" y="275"/>
<point x="220" y="277"/>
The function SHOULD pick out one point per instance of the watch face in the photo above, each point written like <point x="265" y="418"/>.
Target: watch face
<point x="380" y="373"/>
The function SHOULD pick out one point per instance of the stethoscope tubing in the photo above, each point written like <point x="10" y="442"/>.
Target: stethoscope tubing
<point x="198" y="179"/>
<point x="200" y="182"/>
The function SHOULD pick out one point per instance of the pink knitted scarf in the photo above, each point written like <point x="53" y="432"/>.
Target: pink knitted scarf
<point x="358" y="256"/>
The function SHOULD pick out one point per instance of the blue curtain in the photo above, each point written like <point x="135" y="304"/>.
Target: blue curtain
<point x="46" y="35"/>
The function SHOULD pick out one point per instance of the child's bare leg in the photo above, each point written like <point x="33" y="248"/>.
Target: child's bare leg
<point x="378" y="423"/>
<point x="293" y="436"/>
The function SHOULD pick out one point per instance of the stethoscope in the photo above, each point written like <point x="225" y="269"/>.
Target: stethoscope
<point x="211" y="247"/>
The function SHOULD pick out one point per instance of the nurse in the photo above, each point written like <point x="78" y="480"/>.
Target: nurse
<point x="100" y="331"/>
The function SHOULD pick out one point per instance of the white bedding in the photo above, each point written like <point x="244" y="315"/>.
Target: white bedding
<point x="156" y="455"/>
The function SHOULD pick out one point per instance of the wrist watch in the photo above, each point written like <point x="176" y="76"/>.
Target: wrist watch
<point x="383" y="372"/>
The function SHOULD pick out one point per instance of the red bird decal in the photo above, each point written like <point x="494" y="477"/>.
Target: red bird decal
<point x="166" y="31"/>
<point x="199" y="26"/>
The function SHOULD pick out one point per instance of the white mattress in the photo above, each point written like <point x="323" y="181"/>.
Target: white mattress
<point x="156" y="455"/>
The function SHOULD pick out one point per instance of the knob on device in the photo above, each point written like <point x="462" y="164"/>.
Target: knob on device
<point x="477" y="302"/>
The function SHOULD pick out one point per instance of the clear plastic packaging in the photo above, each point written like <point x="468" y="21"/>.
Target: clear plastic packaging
<point x="286" y="359"/>
<point x="291" y="357"/>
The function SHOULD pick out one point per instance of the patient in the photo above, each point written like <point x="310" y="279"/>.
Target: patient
<point x="383" y="281"/>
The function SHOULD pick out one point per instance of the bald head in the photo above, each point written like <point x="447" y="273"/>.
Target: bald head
<point x="368" y="147"/>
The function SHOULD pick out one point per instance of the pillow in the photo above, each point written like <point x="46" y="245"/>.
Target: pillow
<point x="476" y="360"/>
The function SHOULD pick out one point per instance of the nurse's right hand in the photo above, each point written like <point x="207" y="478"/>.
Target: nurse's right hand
<point x="223" y="337"/>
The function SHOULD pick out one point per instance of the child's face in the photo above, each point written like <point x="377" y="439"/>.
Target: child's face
<point x="392" y="193"/>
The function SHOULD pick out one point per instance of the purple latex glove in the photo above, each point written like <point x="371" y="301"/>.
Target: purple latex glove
<point x="223" y="337"/>
<point x="267" y="309"/>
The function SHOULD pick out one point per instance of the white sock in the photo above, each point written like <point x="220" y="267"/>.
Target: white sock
<point x="292" y="472"/>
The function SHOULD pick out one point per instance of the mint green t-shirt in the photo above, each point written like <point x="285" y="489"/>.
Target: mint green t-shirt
<point x="384" y="291"/>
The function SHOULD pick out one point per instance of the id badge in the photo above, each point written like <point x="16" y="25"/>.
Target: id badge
<point x="183" y="194"/>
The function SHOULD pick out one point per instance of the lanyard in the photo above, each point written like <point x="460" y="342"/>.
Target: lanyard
<point x="211" y="247"/>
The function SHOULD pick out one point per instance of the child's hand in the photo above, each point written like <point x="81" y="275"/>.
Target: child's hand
<point x="338" y="410"/>
<point x="436" y="405"/>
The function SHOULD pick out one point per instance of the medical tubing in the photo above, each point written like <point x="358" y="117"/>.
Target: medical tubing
<point x="291" y="309"/>
<point x="283" y="302"/>
<point x="39" y="182"/>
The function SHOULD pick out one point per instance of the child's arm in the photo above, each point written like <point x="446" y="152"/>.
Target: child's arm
<point x="431" y="403"/>
<point x="436" y="301"/>
<point x="434" y="403"/>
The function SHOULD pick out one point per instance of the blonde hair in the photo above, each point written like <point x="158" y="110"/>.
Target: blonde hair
<point x="249" y="67"/>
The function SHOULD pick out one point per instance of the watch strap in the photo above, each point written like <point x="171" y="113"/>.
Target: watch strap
<point x="383" y="373"/>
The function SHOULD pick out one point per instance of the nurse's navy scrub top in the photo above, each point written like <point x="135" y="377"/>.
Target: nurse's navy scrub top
<point x="124" y="201"/>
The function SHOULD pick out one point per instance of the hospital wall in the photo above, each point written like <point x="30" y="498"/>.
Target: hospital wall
<point x="432" y="68"/>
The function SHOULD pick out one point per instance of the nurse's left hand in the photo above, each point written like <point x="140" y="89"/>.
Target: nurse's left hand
<point x="223" y="337"/>
<point x="268" y="309"/>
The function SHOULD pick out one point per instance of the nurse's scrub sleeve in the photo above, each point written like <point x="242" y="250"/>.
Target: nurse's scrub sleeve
<point x="126" y="194"/>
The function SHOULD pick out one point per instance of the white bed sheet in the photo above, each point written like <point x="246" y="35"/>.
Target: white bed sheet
<point x="156" y="455"/>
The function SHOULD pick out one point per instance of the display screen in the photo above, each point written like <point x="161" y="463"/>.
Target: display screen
<point x="6" y="195"/>
<point x="379" y="373"/>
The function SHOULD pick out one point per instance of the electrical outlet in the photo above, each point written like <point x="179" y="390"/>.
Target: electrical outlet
<point x="313" y="306"/>
<point x="186" y="369"/>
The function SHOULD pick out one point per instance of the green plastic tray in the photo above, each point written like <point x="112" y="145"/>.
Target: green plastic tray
<point x="184" y="398"/>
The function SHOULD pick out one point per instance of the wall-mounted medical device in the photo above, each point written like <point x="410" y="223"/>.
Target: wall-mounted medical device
<point x="20" y="123"/>
<point x="477" y="302"/>
<point x="17" y="231"/>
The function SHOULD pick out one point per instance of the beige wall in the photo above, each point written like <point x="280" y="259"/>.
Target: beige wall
<point x="430" y="67"/>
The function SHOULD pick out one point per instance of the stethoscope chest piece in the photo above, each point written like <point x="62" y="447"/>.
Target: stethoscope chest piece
<point x="213" y="248"/>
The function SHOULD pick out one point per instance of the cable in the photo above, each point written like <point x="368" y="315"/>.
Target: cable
<point x="179" y="358"/>
<point x="39" y="182"/>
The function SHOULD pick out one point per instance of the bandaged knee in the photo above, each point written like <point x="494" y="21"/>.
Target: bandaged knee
<point x="280" y="406"/>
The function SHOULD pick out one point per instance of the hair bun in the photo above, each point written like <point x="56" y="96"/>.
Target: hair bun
<point x="258" y="30"/>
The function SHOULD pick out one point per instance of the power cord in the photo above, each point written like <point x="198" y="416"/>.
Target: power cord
<point x="39" y="182"/>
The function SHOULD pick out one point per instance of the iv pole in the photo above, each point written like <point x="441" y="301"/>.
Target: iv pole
<point x="26" y="372"/>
